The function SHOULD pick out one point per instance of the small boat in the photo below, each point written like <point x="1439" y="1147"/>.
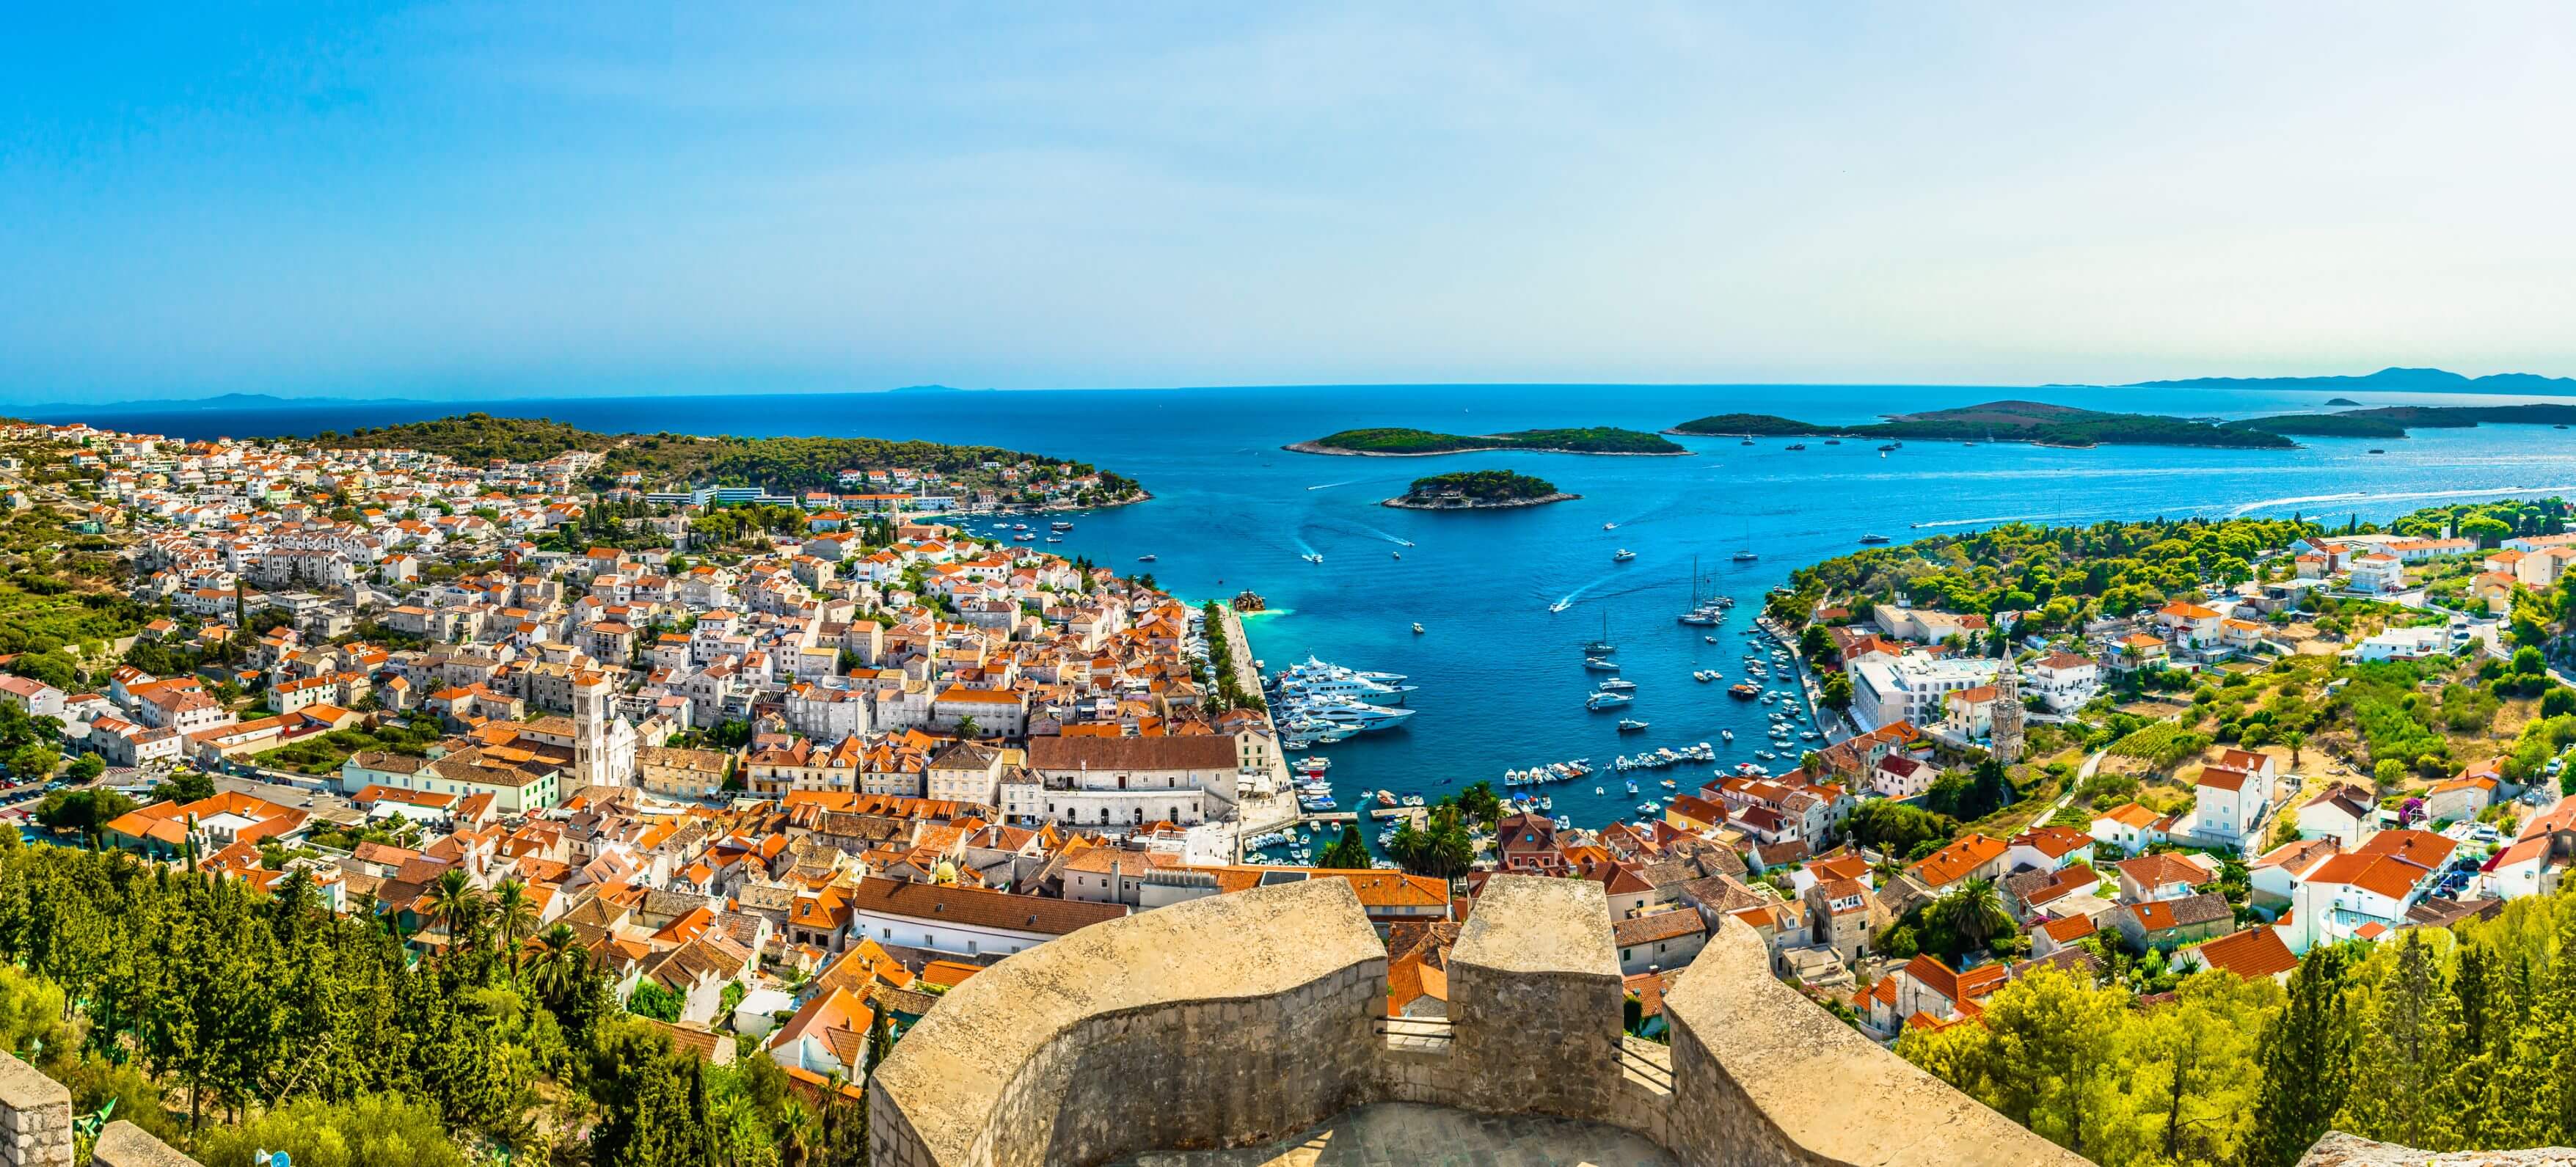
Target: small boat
<point x="1417" y="628"/>
<point x="1396" y="554"/>
<point x="1726" y="734"/>
<point x="1598" y="665"/>
<point x="1747" y="556"/>
<point x="1060" y="525"/>
<point x="1146" y="558"/>
<point x="1703" y="675"/>
<point x="1833" y="441"/>
<point x="1795" y="446"/>
<point x="1560" y="605"/>
<point x="1313" y="557"/>
<point x="2378" y="451"/>
<point x="1710" y="639"/>
<point x="1024" y="537"/>
<point x="1745" y="442"/>
<point x="1748" y="690"/>
<point x="1887" y="447"/>
<point x="1615" y="526"/>
<point x="1617" y="685"/>
<point x="1622" y="555"/>
<point x="1055" y="538"/>
<point x="1873" y="538"/>
<point x="1630" y="725"/>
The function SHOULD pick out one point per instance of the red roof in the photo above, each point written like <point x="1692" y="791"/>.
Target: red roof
<point x="2252" y="953"/>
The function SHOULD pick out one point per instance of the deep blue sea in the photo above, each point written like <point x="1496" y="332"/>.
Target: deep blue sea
<point x="1502" y="682"/>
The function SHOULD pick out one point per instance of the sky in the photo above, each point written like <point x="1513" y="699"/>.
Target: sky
<point x="559" y="199"/>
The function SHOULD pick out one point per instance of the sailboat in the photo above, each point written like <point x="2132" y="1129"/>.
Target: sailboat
<point x="1602" y="647"/>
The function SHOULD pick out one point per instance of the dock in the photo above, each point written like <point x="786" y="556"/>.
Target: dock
<point x="1329" y="816"/>
<point x="1379" y="813"/>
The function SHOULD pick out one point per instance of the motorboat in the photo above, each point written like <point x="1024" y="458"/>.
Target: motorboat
<point x="1704" y="675"/>
<point x="1622" y="555"/>
<point x="1795" y="446"/>
<point x="1313" y="557"/>
<point x="1873" y="539"/>
<point x="1060" y="525"/>
<point x="1598" y="665"/>
<point x="1619" y="685"/>
<point x="1147" y="558"/>
<point x="1396" y="554"/>
<point x="1747" y="556"/>
<point x="1560" y="605"/>
<point x="1726" y="734"/>
<point x="1630" y="725"/>
<point x="1601" y="701"/>
<point x="1024" y="537"/>
<point x="1747" y="690"/>
<point x="1609" y="526"/>
<point x="1417" y="628"/>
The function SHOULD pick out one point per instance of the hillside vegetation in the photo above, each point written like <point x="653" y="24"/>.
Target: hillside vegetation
<point x="1478" y="487"/>
<point x="781" y="464"/>
<point x="2392" y="421"/>
<point x="1584" y="440"/>
<point x="2008" y="421"/>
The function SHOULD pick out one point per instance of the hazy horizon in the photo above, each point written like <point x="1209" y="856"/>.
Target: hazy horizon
<point x="485" y="202"/>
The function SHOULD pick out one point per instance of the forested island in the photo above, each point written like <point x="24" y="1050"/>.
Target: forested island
<point x="2003" y="421"/>
<point x="784" y="465"/>
<point x="1478" y="490"/>
<point x="1401" y="442"/>
<point x="2392" y="379"/>
<point x="2392" y="421"/>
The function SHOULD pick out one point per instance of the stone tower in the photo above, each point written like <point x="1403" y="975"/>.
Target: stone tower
<point x="2007" y="716"/>
<point x="603" y="743"/>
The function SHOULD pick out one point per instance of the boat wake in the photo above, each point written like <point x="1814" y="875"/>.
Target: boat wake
<point x="1996" y="519"/>
<point x="2396" y="496"/>
<point x="1383" y="535"/>
<point x="1330" y="485"/>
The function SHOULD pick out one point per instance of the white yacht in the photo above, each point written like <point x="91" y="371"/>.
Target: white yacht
<point x="1599" y="701"/>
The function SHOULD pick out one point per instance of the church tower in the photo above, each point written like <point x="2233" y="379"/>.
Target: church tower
<point x="2008" y="711"/>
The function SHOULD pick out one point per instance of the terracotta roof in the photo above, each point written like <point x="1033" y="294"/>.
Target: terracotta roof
<point x="975" y="907"/>
<point x="1954" y="862"/>
<point x="2254" y="952"/>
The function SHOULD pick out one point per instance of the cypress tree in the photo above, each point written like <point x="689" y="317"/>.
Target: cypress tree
<point x="2307" y="1063"/>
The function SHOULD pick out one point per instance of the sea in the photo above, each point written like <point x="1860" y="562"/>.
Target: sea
<point x="1500" y="675"/>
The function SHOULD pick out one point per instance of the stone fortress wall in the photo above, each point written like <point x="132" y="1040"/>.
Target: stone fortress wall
<point x="36" y="1127"/>
<point x="1243" y="1019"/>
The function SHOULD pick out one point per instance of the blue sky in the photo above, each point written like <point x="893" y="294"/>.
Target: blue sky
<point x="503" y="199"/>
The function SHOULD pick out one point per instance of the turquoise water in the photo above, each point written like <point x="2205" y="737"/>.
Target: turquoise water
<point x="1502" y="678"/>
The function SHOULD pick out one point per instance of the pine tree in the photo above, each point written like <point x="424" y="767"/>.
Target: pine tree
<point x="2307" y="1063"/>
<point x="1348" y="853"/>
<point x="2413" y="1040"/>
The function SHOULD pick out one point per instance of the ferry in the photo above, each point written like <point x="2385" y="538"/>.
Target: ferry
<point x="1622" y="555"/>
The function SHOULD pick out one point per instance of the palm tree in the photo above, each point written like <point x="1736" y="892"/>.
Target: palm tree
<point x="2293" y="739"/>
<point x="514" y="914"/>
<point x="556" y="966"/>
<point x="455" y="902"/>
<point x="1973" y="913"/>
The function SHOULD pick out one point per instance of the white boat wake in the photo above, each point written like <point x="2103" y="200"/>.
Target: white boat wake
<point x="2397" y="496"/>
<point x="1330" y="485"/>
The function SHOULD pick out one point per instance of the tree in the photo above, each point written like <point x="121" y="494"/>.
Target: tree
<point x="2294" y="739"/>
<point x="185" y="786"/>
<point x="1348" y="853"/>
<point x="650" y="999"/>
<point x="514" y="914"/>
<point x="1837" y="691"/>
<point x="86" y="768"/>
<point x="2389" y="772"/>
<point x="557" y="965"/>
<point x="1814" y="644"/>
<point x="1973" y="911"/>
<point x="966" y="728"/>
<point x="2411" y="1037"/>
<point x="2306" y="1062"/>
<point x="1480" y="802"/>
<point x="456" y="903"/>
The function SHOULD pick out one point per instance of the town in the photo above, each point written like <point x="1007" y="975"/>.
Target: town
<point x="787" y="768"/>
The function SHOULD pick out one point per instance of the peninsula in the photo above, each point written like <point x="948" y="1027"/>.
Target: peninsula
<point x="2392" y="379"/>
<point x="967" y="477"/>
<point x="1399" y="442"/>
<point x="2003" y="421"/>
<point x="1471" y="490"/>
<point x="2392" y="421"/>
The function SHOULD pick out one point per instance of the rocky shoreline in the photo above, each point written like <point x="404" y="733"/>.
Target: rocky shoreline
<point x="1408" y="504"/>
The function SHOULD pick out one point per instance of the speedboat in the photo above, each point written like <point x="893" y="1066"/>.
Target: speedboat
<point x="1623" y="555"/>
<point x="1618" y="685"/>
<point x="1313" y="557"/>
<point x="1560" y="605"/>
<point x="1727" y="734"/>
<point x="1873" y="538"/>
<point x="1417" y="628"/>
<point x="1146" y="558"/>
<point x="1600" y="701"/>
<point x="1598" y="665"/>
<point x="1630" y="725"/>
<point x="1609" y="526"/>
<point x="1397" y="554"/>
<point x="1060" y="525"/>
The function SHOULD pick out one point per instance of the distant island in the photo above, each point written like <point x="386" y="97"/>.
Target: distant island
<point x="2385" y="380"/>
<point x="2392" y="421"/>
<point x="2004" y="421"/>
<point x="782" y="465"/>
<point x="1469" y="490"/>
<point x="1397" y="442"/>
<point x="2341" y="401"/>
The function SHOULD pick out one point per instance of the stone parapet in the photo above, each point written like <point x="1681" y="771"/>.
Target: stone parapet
<point x="1241" y="1019"/>
<point x="1228" y="1020"/>
<point x="124" y="1144"/>
<point x="1763" y="1076"/>
<point x="2338" y="1149"/>
<point x="35" y="1117"/>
